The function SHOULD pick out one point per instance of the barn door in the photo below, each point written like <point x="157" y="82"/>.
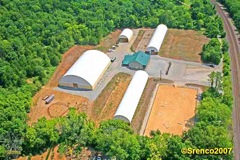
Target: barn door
<point x="75" y="85"/>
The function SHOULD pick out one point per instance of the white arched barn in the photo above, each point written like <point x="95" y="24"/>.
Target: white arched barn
<point x="86" y="71"/>
<point x="132" y="97"/>
<point x="157" y="39"/>
<point x="126" y="35"/>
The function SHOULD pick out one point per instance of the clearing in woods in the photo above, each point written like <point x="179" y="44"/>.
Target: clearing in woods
<point x="183" y="45"/>
<point x="173" y="110"/>
<point x="62" y="101"/>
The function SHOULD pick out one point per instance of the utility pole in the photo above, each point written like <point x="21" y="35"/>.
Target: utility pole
<point x="160" y="74"/>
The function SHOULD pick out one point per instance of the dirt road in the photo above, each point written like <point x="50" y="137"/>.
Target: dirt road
<point x="235" y="67"/>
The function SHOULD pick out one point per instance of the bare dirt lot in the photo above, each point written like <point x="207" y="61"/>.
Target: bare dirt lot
<point x="173" y="110"/>
<point x="62" y="101"/>
<point x="58" y="107"/>
<point x="183" y="45"/>
<point x="102" y="108"/>
<point x="49" y="154"/>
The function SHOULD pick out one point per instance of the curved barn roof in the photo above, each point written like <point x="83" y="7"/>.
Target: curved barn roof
<point x="132" y="96"/>
<point x="158" y="37"/>
<point x="89" y="66"/>
<point x="126" y="33"/>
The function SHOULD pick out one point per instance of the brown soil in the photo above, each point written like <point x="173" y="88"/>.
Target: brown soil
<point x="57" y="109"/>
<point x="107" y="102"/>
<point x="75" y="52"/>
<point x="41" y="109"/>
<point x="137" y="40"/>
<point x="108" y="41"/>
<point x="183" y="45"/>
<point x="54" y="155"/>
<point x="173" y="110"/>
<point x="143" y="105"/>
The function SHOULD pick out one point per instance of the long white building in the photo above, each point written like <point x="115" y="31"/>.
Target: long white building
<point x="126" y="35"/>
<point x="157" y="39"/>
<point x="132" y="97"/>
<point x="86" y="71"/>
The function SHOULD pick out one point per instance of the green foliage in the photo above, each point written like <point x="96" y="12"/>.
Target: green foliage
<point x="204" y="135"/>
<point x="41" y="136"/>
<point x="214" y="122"/>
<point x="14" y="103"/>
<point x="212" y="52"/>
<point x="156" y="146"/>
<point x="233" y="8"/>
<point x="75" y="131"/>
<point x="204" y="16"/>
<point x="227" y="87"/>
<point x="175" y="144"/>
<point x="116" y="138"/>
<point x="35" y="33"/>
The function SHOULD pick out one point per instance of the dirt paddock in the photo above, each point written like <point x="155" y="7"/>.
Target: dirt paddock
<point x="173" y="110"/>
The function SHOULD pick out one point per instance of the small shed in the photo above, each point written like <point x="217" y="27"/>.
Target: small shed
<point x="126" y="35"/>
<point x="137" y="61"/>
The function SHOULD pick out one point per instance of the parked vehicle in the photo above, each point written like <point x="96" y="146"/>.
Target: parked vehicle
<point x="44" y="98"/>
<point x="110" y="50"/>
<point x="49" y="99"/>
<point x="210" y="65"/>
<point x="113" y="59"/>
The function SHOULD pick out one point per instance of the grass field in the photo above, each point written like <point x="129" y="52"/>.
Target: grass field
<point x="137" y="40"/>
<point x="173" y="110"/>
<point x="183" y="45"/>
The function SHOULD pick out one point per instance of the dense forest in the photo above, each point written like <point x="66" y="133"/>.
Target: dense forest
<point x="34" y="34"/>
<point x="233" y="7"/>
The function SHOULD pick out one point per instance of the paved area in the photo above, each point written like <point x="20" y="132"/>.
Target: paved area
<point x="181" y="72"/>
<point x="114" y="68"/>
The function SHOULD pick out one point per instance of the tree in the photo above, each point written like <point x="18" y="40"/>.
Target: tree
<point x="75" y="131"/>
<point x="115" y="138"/>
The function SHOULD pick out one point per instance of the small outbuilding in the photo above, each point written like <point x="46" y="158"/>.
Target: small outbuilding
<point x="137" y="61"/>
<point x="86" y="71"/>
<point x="132" y="97"/>
<point x="126" y="35"/>
<point x="157" y="39"/>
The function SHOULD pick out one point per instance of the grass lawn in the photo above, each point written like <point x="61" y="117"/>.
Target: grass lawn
<point x="183" y="45"/>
